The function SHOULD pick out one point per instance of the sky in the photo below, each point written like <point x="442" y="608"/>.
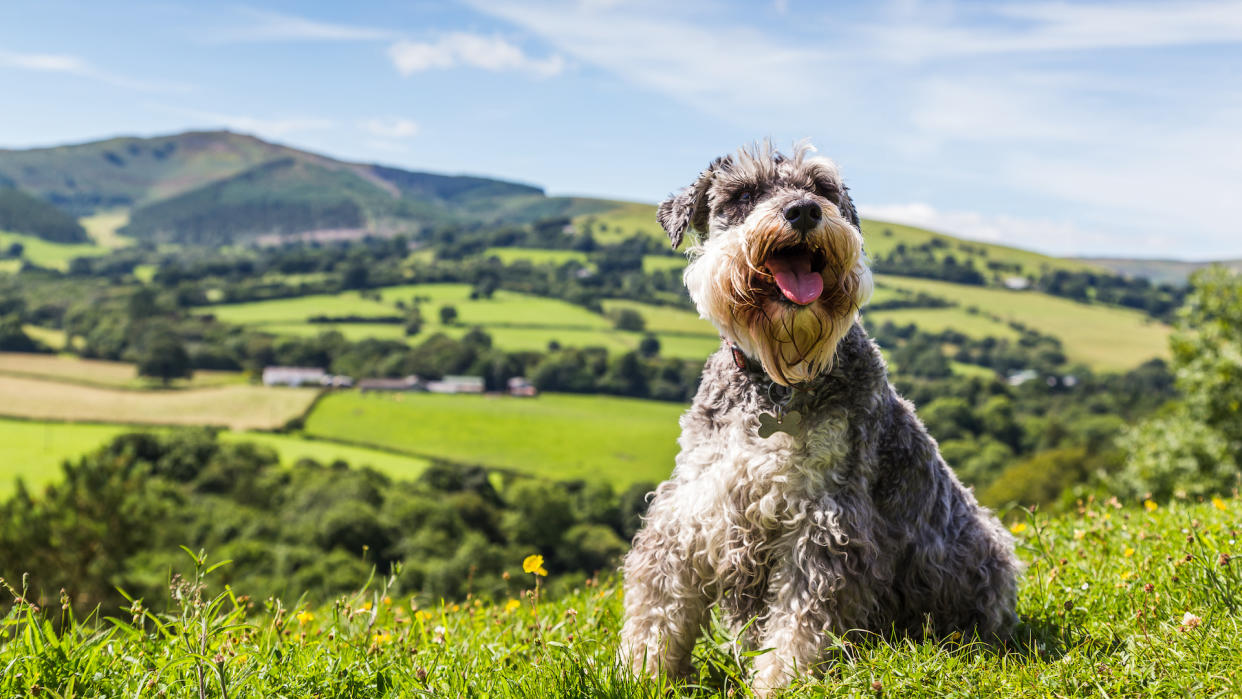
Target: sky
<point x="1094" y="128"/>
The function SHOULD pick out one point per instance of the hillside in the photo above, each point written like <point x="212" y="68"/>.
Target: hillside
<point x="22" y="213"/>
<point x="207" y="188"/>
<point x="1158" y="271"/>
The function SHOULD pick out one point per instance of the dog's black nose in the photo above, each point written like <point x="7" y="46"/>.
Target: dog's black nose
<point x="803" y="215"/>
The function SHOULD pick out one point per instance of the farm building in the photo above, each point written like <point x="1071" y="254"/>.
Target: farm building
<point x="303" y="376"/>
<point x="519" y="386"/>
<point x="409" y="383"/>
<point x="457" y="384"/>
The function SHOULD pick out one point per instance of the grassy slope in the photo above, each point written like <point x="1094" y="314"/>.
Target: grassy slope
<point x="102" y="228"/>
<point x="48" y="254"/>
<point x="1103" y="609"/>
<point x="1101" y="336"/>
<point x="234" y="406"/>
<point x="557" y="436"/>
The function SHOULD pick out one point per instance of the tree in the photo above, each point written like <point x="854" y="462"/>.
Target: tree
<point x="629" y="319"/>
<point x="448" y="315"/>
<point x="1194" y="446"/>
<point x="414" y="321"/>
<point x="649" y="346"/>
<point x="164" y="356"/>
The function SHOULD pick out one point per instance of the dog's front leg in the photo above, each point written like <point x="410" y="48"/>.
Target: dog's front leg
<point x="799" y="617"/>
<point x="666" y="599"/>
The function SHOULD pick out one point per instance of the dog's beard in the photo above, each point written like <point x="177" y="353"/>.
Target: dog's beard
<point x="795" y="343"/>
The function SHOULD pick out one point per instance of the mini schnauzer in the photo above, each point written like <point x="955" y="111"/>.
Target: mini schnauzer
<point x="807" y="501"/>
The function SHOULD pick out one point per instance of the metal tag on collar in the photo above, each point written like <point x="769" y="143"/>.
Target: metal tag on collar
<point x="783" y="419"/>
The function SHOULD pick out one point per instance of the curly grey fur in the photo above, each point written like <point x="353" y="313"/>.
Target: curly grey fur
<point x="853" y="524"/>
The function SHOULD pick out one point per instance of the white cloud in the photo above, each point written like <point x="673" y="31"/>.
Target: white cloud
<point x="79" y="67"/>
<point x="388" y="128"/>
<point x="262" y="126"/>
<point x="461" y="49"/>
<point x="681" y="54"/>
<point x="264" y="25"/>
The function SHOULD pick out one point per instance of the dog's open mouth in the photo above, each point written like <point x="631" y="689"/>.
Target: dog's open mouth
<point x="798" y="272"/>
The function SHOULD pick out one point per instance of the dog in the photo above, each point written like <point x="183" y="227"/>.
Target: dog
<point x="808" y="501"/>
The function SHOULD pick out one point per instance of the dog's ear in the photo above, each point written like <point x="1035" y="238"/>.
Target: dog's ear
<point x="687" y="209"/>
<point x="846" y="206"/>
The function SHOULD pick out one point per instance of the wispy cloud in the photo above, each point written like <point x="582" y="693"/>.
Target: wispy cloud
<point x="77" y="66"/>
<point x="267" y="26"/>
<point x="660" y="47"/>
<point x="270" y="127"/>
<point x="389" y="127"/>
<point x="492" y="53"/>
<point x="928" y="32"/>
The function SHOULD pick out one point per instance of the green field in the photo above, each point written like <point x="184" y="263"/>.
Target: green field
<point x="877" y="243"/>
<point x="1102" y="337"/>
<point x="516" y="321"/>
<point x="537" y="256"/>
<point x="934" y="320"/>
<point x="34" y="449"/>
<point x="48" y="254"/>
<point x="102" y="228"/>
<point x="563" y="437"/>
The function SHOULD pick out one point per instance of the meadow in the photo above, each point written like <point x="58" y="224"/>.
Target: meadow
<point x="1118" y="600"/>
<point x="49" y="254"/>
<point x="556" y="436"/>
<point x="236" y="406"/>
<point x="1103" y="337"/>
<point x="34" y="450"/>
<point x="99" y="372"/>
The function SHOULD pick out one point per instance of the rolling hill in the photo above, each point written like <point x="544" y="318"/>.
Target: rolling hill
<point x="218" y="187"/>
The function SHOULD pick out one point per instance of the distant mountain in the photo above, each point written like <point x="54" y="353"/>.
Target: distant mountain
<point x="219" y="187"/>
<point x="1158" y="271"/>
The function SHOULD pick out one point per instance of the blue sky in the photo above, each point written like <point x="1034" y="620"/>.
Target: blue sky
<point x="1071" y="128"/>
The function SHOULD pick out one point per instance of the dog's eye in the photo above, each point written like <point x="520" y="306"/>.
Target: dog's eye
<point x="744" y="197"/>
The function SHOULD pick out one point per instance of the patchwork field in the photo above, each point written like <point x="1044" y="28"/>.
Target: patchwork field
<point x="233" y="406"/>
<point x="515" y="321"/>
<point x="96" y="372"/>
<point x="102" y="228"/>
<point x="620" y="440"/>
<point x="1102" y="337"/>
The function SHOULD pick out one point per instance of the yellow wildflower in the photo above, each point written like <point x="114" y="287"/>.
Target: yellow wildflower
<point x="1150" y="505"/>
<point x="512" y="605"/>
<point x="1129" y="551"/>
<point x="304" y="616"/>
<point x="1218" y="504"/>
<point x="366" y="606"/>
<point x="1125" y="574"/>
<point x="455" y="608"/>
<point x="387" y="601"/>
<point x="381" y="637"/>
<point x="534" y="564"/>
<point x="1018" y="528"/>
<point x="422" y="615"/>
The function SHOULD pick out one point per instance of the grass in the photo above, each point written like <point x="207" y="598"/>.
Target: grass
<point x="1031" y="262"/>
<point x="48" y="254"/>
<point x="563" y="437"/>
<point x="1116" y="601"/>
<point x="934" y="320"/>
<point x="1103" y="337"/>
<point x="102" y="228"/>
<point x="537" y="256"/>
<point x="34" y="449"/>
<point x="97" y="372"/>
<point x="234" y="406"/>
<point x="293" y="448"/>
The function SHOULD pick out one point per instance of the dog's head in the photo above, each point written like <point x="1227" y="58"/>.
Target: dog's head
<point x="777" y="262"/>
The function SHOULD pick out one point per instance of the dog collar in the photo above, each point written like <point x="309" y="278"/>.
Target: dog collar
<point x="781" y="418"/>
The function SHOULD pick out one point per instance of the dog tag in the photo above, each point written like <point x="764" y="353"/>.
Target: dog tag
<point x="770" y="424"/>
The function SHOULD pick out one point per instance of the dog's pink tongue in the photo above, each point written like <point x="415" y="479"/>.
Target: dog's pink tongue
<point x="794" y="277"/>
